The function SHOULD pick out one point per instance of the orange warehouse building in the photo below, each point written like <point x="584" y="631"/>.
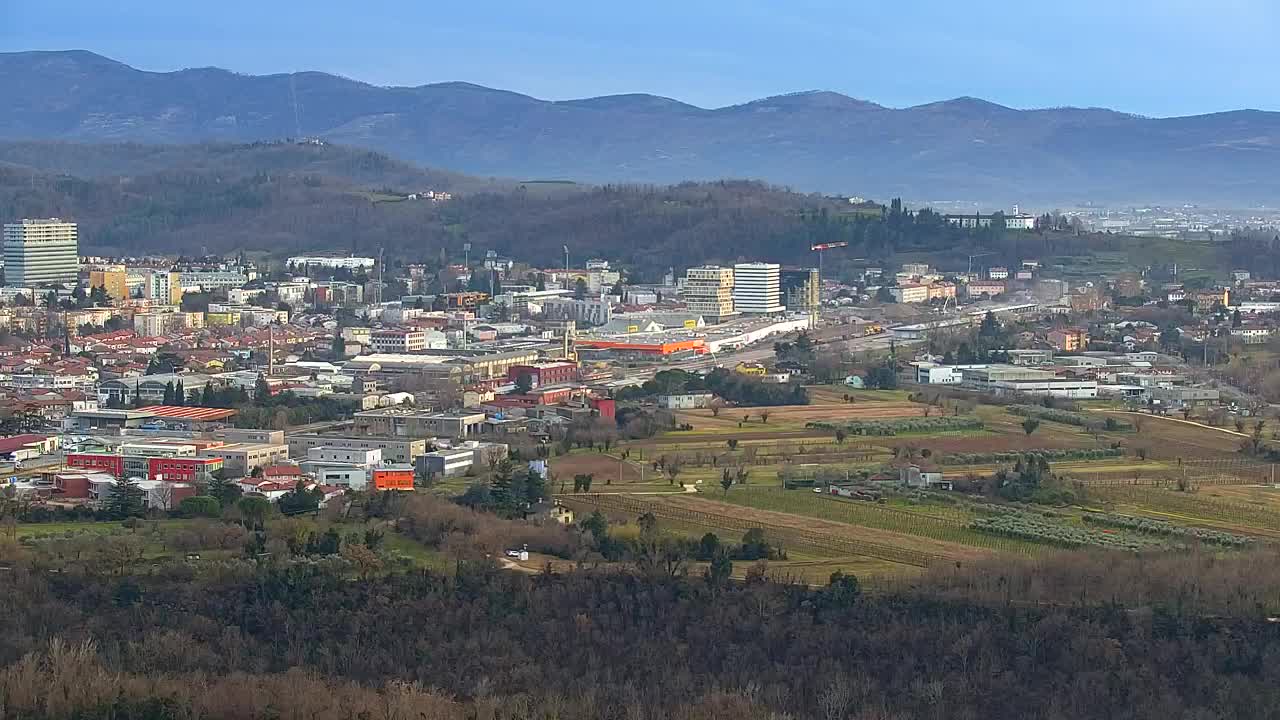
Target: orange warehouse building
<point x="399" y="477"/>
<point x="659" y="349"/>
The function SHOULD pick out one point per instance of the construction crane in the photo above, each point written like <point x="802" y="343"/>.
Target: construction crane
<point x="820" y="248"/>
<point x="977" y="255"/>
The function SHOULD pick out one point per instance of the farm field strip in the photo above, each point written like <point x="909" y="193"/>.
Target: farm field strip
<point x="1220" y="513"/>
<point x="937" y="523"/>
<point x="824" y="530"/>
<point x="788" y="533"/>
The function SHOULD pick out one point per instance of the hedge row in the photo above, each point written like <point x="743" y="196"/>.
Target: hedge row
<point x="1160" y="527"/>
<point x="1025" y="526"/>
<point x="1067" y="417"/>
<point x="904" y="425"/>
<point x="1047" y="454"/>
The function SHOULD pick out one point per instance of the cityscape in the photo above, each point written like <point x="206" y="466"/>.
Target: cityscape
<point x="422" y="365"/>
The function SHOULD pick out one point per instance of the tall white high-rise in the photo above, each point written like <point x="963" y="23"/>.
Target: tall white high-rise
<point x="39" y="252"/>
<point x="757" y="288"/>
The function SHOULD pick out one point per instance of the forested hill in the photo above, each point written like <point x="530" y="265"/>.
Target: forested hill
<point x="963" y="148"/>
<point x="286" y="198"/>
<point x="232" y="161"/>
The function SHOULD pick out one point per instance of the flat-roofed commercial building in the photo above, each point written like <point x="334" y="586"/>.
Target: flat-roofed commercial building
<point x="39" y="252"/>
<point x="243" y="458"/>
<point x="461" y="366"/>
<point x="398" y="341"/>
<point x="394" y="449"/>
<point x="407" y="422"/>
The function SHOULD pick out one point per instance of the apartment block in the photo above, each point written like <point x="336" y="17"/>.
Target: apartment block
<point x="708" y="291"/>
<point x="39" y="252"/>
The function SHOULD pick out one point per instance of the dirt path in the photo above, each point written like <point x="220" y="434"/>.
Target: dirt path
<point x="1202" y="426"/>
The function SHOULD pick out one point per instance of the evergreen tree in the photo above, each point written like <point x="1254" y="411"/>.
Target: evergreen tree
<point x="224" y="490"/>
<point x="126" y="500"/>
<point x="504" y="499"/>
<point x="179" y="394"/>
<point x="261" y="390"/>
<point x="168" y="393"/>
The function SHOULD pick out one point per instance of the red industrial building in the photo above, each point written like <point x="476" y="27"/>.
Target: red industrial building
<point x="183" y="469"/>
<point x="172" y="469"/>
<point x="398" y="477"/>
<point x="547" y="373"/>
<point x="605" y="407"/>
<point x="97" y="462"/>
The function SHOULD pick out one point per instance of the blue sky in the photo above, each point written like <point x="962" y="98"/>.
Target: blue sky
<point x="1154" y="57"/>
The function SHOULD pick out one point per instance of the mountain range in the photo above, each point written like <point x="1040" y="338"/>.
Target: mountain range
<point x="962" y="149"/>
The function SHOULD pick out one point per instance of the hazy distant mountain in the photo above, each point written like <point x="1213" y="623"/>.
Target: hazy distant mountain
<point x="957" y="149"/>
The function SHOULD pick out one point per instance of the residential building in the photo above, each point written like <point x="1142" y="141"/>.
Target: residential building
<point x="1206" y="300"/>
<point x="210" y="280"/>
<point x="990" y="288"/>
<point x="163" y="287"/>
<point x="916" y="269"/>
<point x="399" y="341"/>
<point x="757" y="288"/>
<point x="910" y="293"/>
<point x="40" y="252"/>
<point x="1069" y="339"/>
<point x="1253" y="334"/>
<point x="709" y="292"/>
<point x="942" y="291"/>
<point x="307" y="263"/>
<point x="998" y="273"/>
<point x="113" y="280"/>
